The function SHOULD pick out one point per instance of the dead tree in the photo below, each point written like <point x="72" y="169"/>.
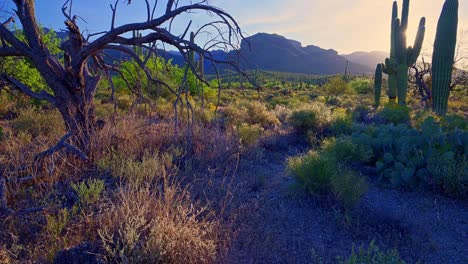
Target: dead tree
<point x="74" y="81"/>
<point x="418" y="79"/>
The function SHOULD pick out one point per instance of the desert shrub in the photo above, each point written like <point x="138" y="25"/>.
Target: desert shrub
<point x="312" y="117"/>
<point x="361" y="114"/>
<point x="124" y="102"/>
<point x="56" y="223"/>
<point x="258" y="114"/>
<point x="38" y="122"/>
<point x="282" y="112"/>
<point x="144" y="226"/>
<point x="396" y="114"/>
<point x="373" y="255"/>
<point x="348" y="188"/>
<point x="331" y="100"/>
<point x="303" y="120"/>
<point x="249" y="134"/>
<point x="251" y="113"/>
<point x="137" y="172"/>
<point x="344" y="150"/>
<point x="104" y="111"/>
<point x="361" y="86"/>
<point x="321" y="173"/>
<point x="88" y="191"/>
<point x="313" y="172"/>
<point x="452" y="121"/>
<point x="449" y="172"/>
<point x="336" y="86"/>
<point x="342" y="122"/>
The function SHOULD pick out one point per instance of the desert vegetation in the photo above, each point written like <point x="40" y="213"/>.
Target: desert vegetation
<point x="112" y="153"/>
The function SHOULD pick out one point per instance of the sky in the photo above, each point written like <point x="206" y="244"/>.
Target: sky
<point x="343" y="25"/>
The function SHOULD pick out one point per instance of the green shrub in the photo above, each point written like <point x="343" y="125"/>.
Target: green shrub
<point x="396" y="114"/>
<point x="38" y="122"/>
<point x="251" y="113"/>
<point x="124" y="102"/>
<point x="88" y="192"/>
<point x="56" y="223"/>
<point x="344" y="150"/>
<point x="313" y="172"/>
<point x="361" y="86"/>
<point x="304" y="120"/>
<point x="348" y="188"/>
<point x="450" y="172"/>
<point x="257" y="113"/>
<point x="373" y="255"/>
<point x="249" y="134"/>
<point x="342" y="122"/>
<point x="336" y="86"/>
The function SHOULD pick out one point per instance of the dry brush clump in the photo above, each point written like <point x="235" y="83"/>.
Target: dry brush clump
<point x="146" y="226"/>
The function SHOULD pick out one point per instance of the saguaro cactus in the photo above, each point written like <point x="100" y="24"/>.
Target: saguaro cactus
<point x="443" y="56"/>
<point x="401" y="56"/>
<point x="201" y="66"/>
<point x="346" y="73"/>
<point x="378" y="84"/>
<point x="137" y="49"/>
<point x="192" y="53"/>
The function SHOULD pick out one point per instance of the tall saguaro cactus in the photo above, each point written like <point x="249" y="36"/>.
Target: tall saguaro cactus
<point x="378" y="84"/>
<point x="402" y="56"/>
<point x="443" y="56"/>
<point x="346" y="72"/>
<point x="389" y="67"/>
<point x="201" y="60"/>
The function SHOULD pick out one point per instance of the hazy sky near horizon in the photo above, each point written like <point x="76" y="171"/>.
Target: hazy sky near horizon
<point x="343" y="25"/>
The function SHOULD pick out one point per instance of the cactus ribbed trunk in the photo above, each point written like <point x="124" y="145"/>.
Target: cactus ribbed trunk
<point x="392" y="78"/>
<point x="377" y="85"/>
<point x="443" y="56"/>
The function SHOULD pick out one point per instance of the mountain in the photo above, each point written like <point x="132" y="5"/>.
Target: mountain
<point x="369" y="59"/>
<point x="273" y="52"/>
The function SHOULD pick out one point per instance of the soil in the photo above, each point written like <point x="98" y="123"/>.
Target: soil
<point x="278" y="224"/>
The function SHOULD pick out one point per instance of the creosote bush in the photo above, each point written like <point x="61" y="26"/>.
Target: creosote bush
<point x="249" y="134"/>
<point x="361" y="86"/>
<point x="323" y="172"/>
<point x="336" y="86"/>
<point x="395" y="113"/>
<point x="88" y="191"/>
<point x="313" y="117"/>
<point x="313" y="172"/>
<point x="251" y="113"/>
<point x="342" y="122"/>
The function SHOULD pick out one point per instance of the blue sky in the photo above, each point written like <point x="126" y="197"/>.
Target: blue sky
<point x="344" y="25"/>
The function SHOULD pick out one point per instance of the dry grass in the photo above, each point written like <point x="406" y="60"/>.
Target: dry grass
<point x="145" y="226"/>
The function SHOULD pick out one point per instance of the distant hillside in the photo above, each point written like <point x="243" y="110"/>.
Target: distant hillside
<point x="369" y="59"/>
<point x="273" y="52"/>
